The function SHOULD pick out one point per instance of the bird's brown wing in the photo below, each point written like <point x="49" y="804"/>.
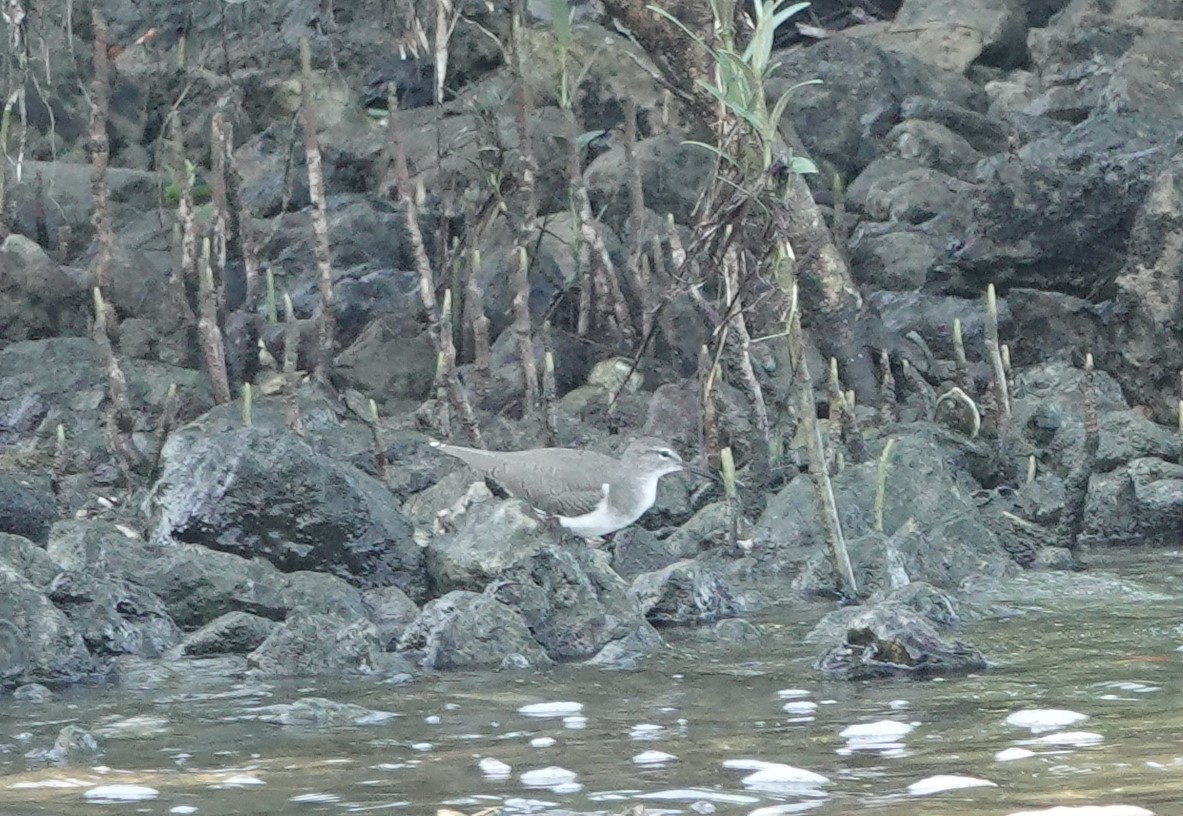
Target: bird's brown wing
<point x="564" y="482"/>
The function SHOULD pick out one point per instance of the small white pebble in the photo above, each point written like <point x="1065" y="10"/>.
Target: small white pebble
<point x="542" y="742"/>
<point x="575" y="723"/>
<point x="789" y="694"/>
<point x="183" y="810"/>
<point x="653" y="758"/>
<point x="421" y="746"/>
<point x="432" y="719"/>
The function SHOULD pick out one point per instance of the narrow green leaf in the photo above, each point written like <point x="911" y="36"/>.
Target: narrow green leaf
<point x="584" y="139"/>
<point x="560" y="21"/>
<point x="802" y="166"/>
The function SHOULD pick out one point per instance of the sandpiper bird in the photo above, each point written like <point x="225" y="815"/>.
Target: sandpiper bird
<point x="589" y="493"/>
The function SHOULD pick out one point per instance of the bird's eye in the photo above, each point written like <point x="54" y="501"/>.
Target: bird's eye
<point x="665" y="454"/>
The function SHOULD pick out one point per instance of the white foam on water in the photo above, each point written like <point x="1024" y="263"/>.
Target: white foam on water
<point x="1045" y="719"/>
<point x="554" y="709"/>
<point x="947" y="782"/>
<point x="121" y="793"/>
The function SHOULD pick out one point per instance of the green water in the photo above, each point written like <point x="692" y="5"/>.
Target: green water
<point x="1102" y="644"/>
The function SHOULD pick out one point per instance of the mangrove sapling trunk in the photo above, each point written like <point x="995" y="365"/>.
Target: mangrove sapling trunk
<point x="213" y="350"/>
<point x="168" y="421"/>
<point x="221" y="206"/>
<point x="327" y="325"/>
<point x="247" y="405"/>
<point x="731" y="496"/>
<point x="1076" y="485"/>
<point x="454" y="389"/>
<point x="823" y="490"/>
<point x="997" y="369"/>
<point x="550" y="400"/>
<point x="852" y="434"/>
<point x="834" y="395"/>
<point x="708" y="372"/>
<point x="442" y="418"/>
<point x="920" y="385"/>
<point x="61" y="461"/>
<point x="379" y="449"/>
<point x="960" y="363"/>
<point x="100" y="155"/>
<point x="527" y="190"/>
<point x="522" y="331"/>
<point x="609" y="297"/>
<point x="405" y="193"/>
<point x="476" y="319"/>
<point x="187" y="219"/>
<point x="119" y="421"/>
<point x="636" y="264"/>
<point x="291" y="378"/>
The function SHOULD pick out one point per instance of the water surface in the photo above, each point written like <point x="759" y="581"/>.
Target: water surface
<point x="1106" y="650"/>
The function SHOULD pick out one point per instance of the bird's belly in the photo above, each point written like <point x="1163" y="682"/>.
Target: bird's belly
<point x="598" y="522"/>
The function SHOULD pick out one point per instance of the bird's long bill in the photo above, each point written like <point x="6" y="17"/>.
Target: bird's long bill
<point x="698" y="470"/>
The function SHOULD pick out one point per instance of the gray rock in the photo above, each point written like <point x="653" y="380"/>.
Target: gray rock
<point x="252" y="491"/>
<point x="1002" y="25"/>
<point x="387" y="363"/>
<point x="1129" y="435"/>
<point x="62" y="380"/>
<point x="313" y="644"/>
<point x="73" y="745"/>
<point x="1059" y="213"/>
<point x="468" y="630"/>
<point x="37" y="641"/>
<point x="34" y="693"/>
<point x="891" y="640"/>
<point x="27" y="559"/>
<point x="918" y="195"/>
<point x="931" y="144"/>
<point x="1147" y="300"/>
<point x="899" y="260"/>
<point x="323" y="593"/>
<point x="1140" y="501"/>
<point x="114" y="616"/>
<point x="842" y="119"/>
<point x="197" y="584"/>
<point x="319" y="712"/>
<point x="27" y="505"/>
<point x="688" y="592"/>
<point x="232" y="633"/>
<point x="926" y="485"/>
<point x="391" y="611"/>
<point x="37" y="298"/>
<point x="572" y="601"/>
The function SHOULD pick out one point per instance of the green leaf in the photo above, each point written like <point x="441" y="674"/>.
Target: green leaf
<point x="584" y="139"/>
<point x="802" y="166"/>
<point x="560" y="21"/>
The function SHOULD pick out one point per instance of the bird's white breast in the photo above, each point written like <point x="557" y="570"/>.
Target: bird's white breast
<point x="608" y="517"/>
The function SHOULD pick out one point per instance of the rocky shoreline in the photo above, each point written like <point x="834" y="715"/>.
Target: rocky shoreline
<point x="1033" y="146"/>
